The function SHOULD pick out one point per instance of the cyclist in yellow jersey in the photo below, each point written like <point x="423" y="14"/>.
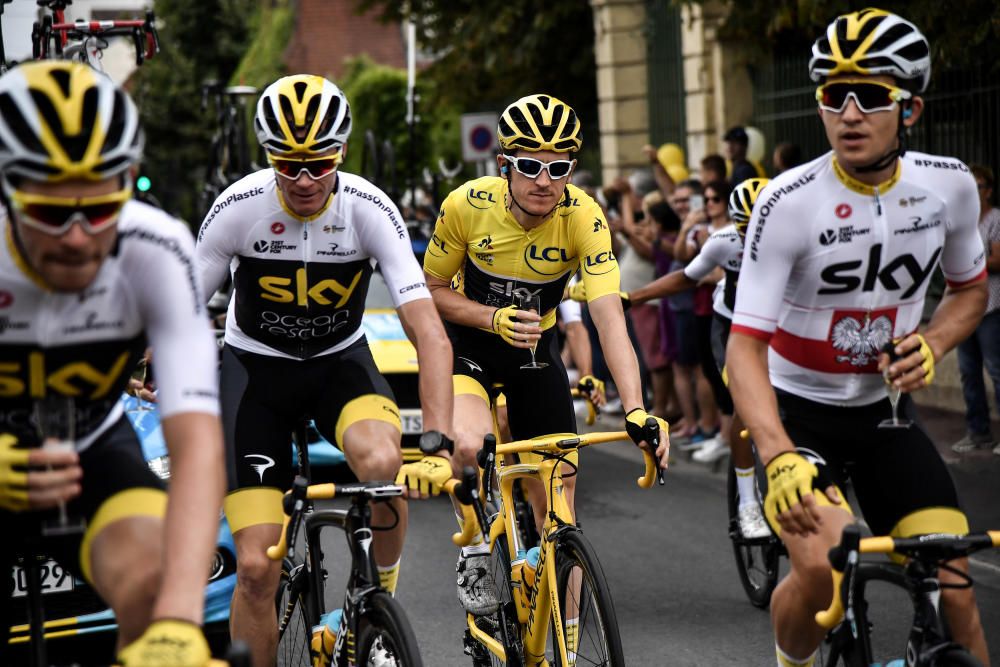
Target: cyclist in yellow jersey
<point x="838" y="256"/>
<point x="499" y="244"/>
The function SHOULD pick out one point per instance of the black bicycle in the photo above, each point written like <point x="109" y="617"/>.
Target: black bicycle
<point x="757" y="559"/>
<point x="230" y="151"/>
<point x="929" y="643"/>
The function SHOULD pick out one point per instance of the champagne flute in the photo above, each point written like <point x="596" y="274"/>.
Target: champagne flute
<point x="894" y="392"/>
<point x="533" y="303"/>
<point x="141" y="372"/>
<point x="55" y="421"/>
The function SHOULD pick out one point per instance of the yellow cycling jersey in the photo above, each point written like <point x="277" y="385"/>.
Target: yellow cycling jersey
<point x="487" y="255"/>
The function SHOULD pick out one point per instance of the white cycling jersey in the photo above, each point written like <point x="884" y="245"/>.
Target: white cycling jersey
<point x="834" y="269"/>
<point x="300" y="285"/>
<point x="723" y="248"/>
<point x="86" y="345"/>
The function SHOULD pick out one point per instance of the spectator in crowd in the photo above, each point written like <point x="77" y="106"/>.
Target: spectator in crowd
<point x="713" y="168"/>
<point x="786" y="155"/>
<point x="983" y="346"/>
<point x="665" y="225"/>
<point x="737" y="141"/>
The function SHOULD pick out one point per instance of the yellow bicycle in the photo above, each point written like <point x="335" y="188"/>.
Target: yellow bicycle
<point x="556" y="610"/>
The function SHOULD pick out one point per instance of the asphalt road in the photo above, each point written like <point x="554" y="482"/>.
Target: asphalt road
<point x="669" y="564"/>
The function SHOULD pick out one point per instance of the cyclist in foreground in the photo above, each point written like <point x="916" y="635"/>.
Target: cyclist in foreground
<point x="838" y="258"/>
<point x="90" y="276"/>
<point x="301" y="241"/>
<point x="501" y="255"/>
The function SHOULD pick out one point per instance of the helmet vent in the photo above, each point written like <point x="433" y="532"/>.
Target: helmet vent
<point x="300" y="91"/>
<point x="116" y="128"/>
<point x="61" y="77"/>
<point x="890" y="37"/>
<point x="75" y="146"/>
<point x="19" y="126"/>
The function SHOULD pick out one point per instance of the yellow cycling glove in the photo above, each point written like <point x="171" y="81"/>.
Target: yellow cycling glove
<point x="928" y="363"/>
<point x="578" y="291"/>
<point x="504" y="320"/>
<point x="425" y="476"/>
<point x="167" y="643"/>
<point x="790" y="478"/>
<point x="588" y="384"/>
<point x="13" y="482"/>
<point x="635" y="423"/>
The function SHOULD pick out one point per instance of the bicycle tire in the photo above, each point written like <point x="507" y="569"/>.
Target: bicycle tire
<point x="955" y="657"/>
<point x="503" y="623"/>
<point x="292" y="598"/>
<point x="598" y="637"/>
<point x="385" y="636"/>
<point x="756" y="560"/>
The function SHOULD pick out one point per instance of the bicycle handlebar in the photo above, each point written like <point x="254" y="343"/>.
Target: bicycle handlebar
<point x="932" y="547"/>
<point x="583" y="391"/>
<point x="466" y="492"/>
<point x="293" y="503"/>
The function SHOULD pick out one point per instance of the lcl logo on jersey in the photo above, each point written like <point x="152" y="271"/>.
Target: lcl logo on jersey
<point x="602" y="262"/>
<point x="844" y="277"/>
<point x="77" y="378"/>
<point x="481" y="199"/>
<point x="274" y="289"/>
<point x="539" y="259"/>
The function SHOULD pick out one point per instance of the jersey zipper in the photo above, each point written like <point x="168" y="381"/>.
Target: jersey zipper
<point x="305" y="272"/>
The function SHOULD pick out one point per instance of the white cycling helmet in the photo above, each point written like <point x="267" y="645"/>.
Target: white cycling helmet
<point x="873" y="41"/>
<point x="303" y="114"/>
<point x="61" y="120"/>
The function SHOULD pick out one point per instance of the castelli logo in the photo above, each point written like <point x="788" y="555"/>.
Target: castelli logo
<point x="843" y="211"/>
<point x="6" y="298"/>
<point x="278" y="228"/>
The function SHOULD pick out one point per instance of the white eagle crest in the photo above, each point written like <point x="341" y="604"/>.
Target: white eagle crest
<point x="861" y="341"/>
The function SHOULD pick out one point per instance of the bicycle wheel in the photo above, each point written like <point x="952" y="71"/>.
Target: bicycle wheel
<point x="757" y="559"/>
<point x="503" y="624"/>
<point x="385" y="637"/>
<point x="583" y="591"/>
<point x="295" y="616"/>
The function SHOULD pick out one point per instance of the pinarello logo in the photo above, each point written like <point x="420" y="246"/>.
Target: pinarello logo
<point x="277" y="228"/>
<point x="843" y="211"/>
<point x="6" y="299"/>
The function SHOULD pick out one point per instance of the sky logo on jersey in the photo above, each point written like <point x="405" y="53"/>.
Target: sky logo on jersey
<point x="538" y="259"/>
<point x="844" y="277"/>
<point x="274" y="289"/>
<point x="601" y="263"/>
<point x="72" y="379"/>
<point x="481" y="199"/>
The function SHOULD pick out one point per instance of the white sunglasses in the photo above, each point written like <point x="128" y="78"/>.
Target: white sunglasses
<point x="530" y="167"/>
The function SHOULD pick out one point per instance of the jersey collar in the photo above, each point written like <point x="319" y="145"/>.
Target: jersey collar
<point x="296" y="216"/>
<point x="863" y="188"/>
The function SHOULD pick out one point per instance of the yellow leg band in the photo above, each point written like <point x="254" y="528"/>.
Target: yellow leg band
<point x="252" y="507"/>
<point x="932" y="520"/>
<point x="126" y="504"/>
<point x="369" y="406"/>
<point x="463" y="384"/>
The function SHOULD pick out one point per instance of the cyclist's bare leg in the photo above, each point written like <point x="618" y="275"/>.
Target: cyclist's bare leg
<point x="473" y="420"/>
<point x="126" y="567"/>
<point x="807" y="589"/>
<point x="252" y="614"/>
<point x="962" y="613"/>
<point x="536" y="495"/>
<point x="740" y="450"/>
<point x="372" y="448"/>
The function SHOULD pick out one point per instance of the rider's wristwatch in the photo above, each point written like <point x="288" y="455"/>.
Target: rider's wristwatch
<point x="433" y="442"/>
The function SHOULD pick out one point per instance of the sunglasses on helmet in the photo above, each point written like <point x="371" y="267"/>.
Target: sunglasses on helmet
<point x="870" y="96"/>
<point x="56" y="215"/>
<point x="530" y="167"/>
<point x="315" y="167"/>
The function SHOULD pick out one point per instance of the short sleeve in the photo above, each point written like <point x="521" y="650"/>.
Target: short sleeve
<point x="446" y="251"/>
<point x="599" y="268"/>
<point x="963" y="259"/>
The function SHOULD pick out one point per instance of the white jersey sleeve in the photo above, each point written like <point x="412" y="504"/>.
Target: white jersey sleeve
<point x="168" y="293"/>
<point x="570" y="311"/>
<point x="713" y="254"/>
<point x="217" y="244"/>
<point x="963" y="257"/>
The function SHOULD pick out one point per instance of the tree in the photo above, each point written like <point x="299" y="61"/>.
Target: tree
<point x="487" y="53"/>
<point x="199" y="40"/>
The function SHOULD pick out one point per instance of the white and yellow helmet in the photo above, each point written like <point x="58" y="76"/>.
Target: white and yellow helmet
<point x="302" y="114"/>
<point x="873" y="41"/>
<point x="741" y="201"/>
<point x="61" y="120"/>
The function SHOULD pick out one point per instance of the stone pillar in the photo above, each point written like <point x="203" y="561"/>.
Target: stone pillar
<point x="623" y="106"/>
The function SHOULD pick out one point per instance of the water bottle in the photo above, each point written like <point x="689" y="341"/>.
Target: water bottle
<point x="324" y="638"/>
<point x="527" y="575"/>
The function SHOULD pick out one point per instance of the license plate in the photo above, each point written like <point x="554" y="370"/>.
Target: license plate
<point x="54" y="579"/>
<point x="413" y="421"/>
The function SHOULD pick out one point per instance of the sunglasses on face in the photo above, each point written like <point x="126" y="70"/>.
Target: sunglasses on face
<point x="315" y="167"/>
<point x="55" y="215"/>
<point x="713" y="199"/>
<point x="530" y="167"/>
<point x="870" y="96"/>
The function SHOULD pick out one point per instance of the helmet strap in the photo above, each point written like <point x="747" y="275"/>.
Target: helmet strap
<point x="889" y="158"/>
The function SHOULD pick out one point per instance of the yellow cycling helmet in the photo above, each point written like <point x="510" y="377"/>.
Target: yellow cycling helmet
<point x="302" y="113"/>
<point x="741" y="201"/>
<point x="539" y="123"/>
<point x="61" y="120"/>
<point x="873" y="41"/>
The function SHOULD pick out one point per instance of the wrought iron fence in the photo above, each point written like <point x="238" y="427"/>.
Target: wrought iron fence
<point x="665" y="66"/>
<point x="961" y="116"/>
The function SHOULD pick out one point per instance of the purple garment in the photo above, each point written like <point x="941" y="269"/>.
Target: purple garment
<point x="663" y="263"/>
